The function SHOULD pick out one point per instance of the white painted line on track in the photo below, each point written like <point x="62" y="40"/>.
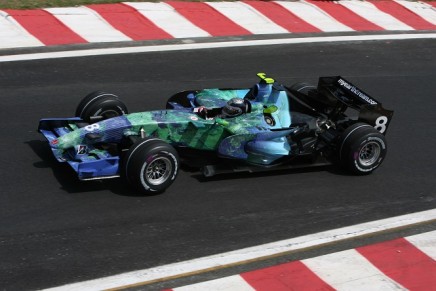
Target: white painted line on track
<point x="211" y="45"/>
<point x="269" y="250"/>
<point x="232" y="283"/>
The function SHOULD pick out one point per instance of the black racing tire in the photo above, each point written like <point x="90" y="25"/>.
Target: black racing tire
<point x="150" y="166"/>
<point x="101" y="104"/>
<point x="362" y="149"/>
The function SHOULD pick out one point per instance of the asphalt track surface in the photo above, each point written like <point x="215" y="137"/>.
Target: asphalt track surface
<point x="56" y="230"/>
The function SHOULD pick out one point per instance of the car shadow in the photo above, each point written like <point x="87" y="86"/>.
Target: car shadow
<point x="333" y="169"/>
<point x="67" y="177"/>
<point x="69" y="182"/>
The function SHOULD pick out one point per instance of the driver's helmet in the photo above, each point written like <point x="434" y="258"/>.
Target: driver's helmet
<point x="234" y="107"/>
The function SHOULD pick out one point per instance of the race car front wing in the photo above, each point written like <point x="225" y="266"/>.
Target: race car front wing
<point x="87" y="161"/>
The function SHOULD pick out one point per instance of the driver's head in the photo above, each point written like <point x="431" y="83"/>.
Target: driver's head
<point x="235" y="107"/>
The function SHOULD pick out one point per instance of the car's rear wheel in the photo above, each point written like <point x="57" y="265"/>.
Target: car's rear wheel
<point x="150" y="165"/>
<point x="362" y="149"/>
<point x="100" y="105"/>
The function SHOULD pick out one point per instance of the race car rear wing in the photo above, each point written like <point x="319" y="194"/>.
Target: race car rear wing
<point x="370" y="110"/>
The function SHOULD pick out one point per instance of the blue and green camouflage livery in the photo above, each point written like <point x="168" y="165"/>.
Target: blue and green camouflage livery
<point x="247" y="137"/>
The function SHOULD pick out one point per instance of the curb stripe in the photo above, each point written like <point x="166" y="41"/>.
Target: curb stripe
<point x="348" y="270"/>
<point x="426" y="244"/>
<point x="404" y="15"/>
<point x="88" y="24"/>
<point x="284" y="277"/>
<point x="45" y="27"/>
<point x="282" y="17"/>
<point x="129" y="21"/>
<point x="247" y="17"/>
<point x="251" y="254"/>
<point x="12" y="34"/>
<point x="370" y="12"/>
<point x="314" y="16"/>
<point x="165" y="17"/>
<point x="392" y="265"/>
<point x="208" y="19"/>
<point x="403" y="262"/>
<point x="345" y="16"/>
<point x="423" y="9"/>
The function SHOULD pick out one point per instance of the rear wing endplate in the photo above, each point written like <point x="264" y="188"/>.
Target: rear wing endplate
<point x="370" y="110"/>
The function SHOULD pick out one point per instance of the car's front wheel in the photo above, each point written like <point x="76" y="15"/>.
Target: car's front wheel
<point x="150" y="165"/>
<point x="100" y="105"/>
<point x="362" y="149"/>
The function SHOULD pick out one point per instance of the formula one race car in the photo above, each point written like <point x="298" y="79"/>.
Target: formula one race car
<point x="268" y="126"/>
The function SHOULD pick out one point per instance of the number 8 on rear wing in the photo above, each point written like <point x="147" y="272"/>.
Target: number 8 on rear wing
<point x="370" y="110"/>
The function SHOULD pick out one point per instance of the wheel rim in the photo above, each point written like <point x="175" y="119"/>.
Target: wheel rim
<point x="109" y="113"/>
<point x="369" y="154"/>
<point x="158" y="171"/>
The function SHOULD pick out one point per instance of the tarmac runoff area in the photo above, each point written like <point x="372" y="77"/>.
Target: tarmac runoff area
<point x="139" y="21"/>
<point x="400" y="264"/>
